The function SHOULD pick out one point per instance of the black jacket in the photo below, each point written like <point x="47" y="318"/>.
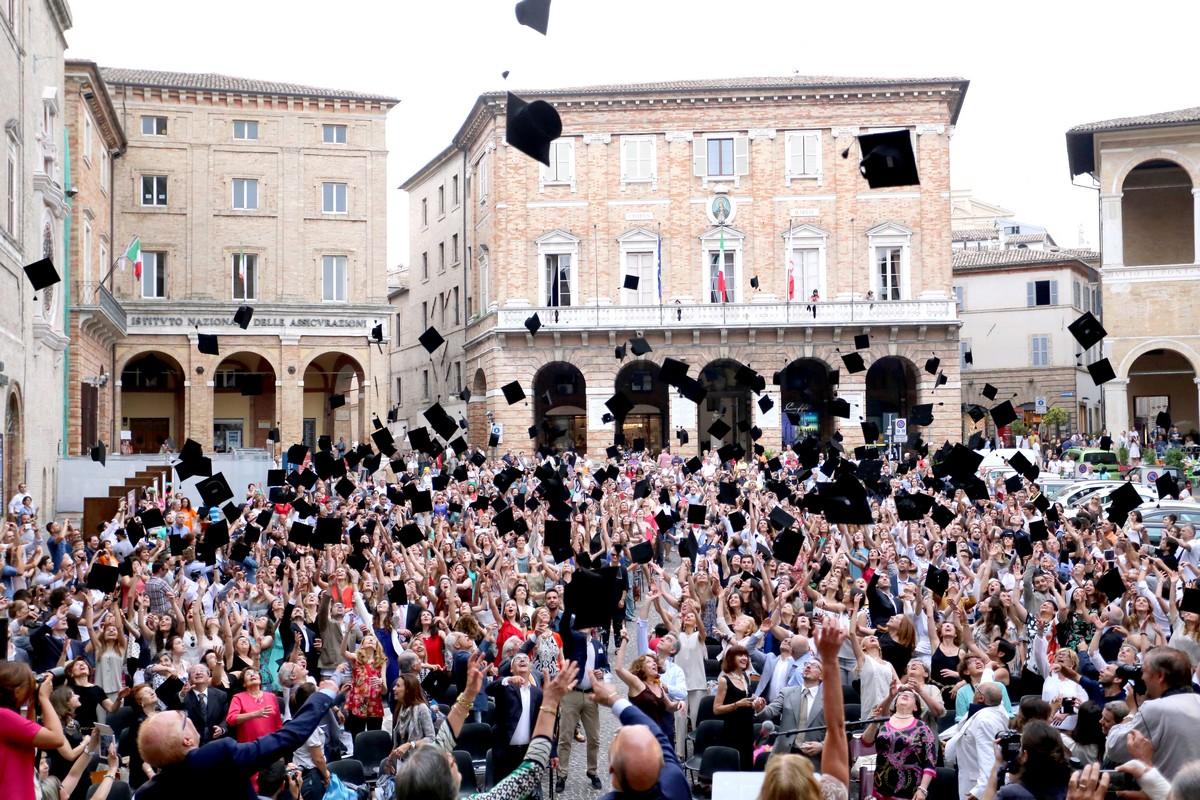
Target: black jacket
<point x="218" y="707"/>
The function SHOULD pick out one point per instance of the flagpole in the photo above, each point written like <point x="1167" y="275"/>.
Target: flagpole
<point x="660" y="306"/>
<point x="790" y="275"/>
<point x="113" y="265"/>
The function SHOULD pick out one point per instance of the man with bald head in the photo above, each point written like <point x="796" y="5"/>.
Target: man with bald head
<point x="169" y="742"/>
<point x="641" y="760"/>
<point x="973" y="747"/>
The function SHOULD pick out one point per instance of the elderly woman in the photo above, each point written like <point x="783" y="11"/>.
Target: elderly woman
<point x="253" y="712"/>
<point x="905" y="749"/>
<point x="431" y="771"/>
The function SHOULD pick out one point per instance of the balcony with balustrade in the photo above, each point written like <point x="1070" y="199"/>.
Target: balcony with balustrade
<point x="98" y="312"/>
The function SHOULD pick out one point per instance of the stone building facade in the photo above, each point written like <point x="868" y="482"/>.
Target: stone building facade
<point x="97" y="319"/>
<point x="1147" y="170"/>
<point x="245" y="192"/>
<point x="689" y="180"/>
<point x="34" y="223"/>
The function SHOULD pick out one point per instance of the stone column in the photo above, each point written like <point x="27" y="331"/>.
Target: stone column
<point x="1116" y="405"/>
<point x="289" y="386"/>
<point x="1196" y="224"/>
<point x="1112" y="247"/>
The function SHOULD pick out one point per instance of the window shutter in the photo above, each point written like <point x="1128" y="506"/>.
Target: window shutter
<point x="569" y="165"/>
<point x="699" y="157"/>
<point x="789" y="153"/>
<point x="1030" y="294"/>
<point x="741" y="155"/>
<point x="627" y="155"/>
<point x="1053" y="293"/>
<point x="651" y="161"/>
<point x="812" y="155"/>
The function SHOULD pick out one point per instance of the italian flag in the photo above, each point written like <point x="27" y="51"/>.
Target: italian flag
<point x="134" y="256"/>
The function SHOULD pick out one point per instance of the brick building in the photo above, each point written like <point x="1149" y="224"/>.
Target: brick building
<point x="97" y="319"/>
<point x="1148" y="175"/>
<point x="258" y="193"/>
<point x="692" y="179"/>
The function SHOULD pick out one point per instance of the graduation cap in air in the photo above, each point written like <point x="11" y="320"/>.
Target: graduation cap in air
<point x="844" y="501"/>
<point x="639" y="346"/>
<point x="786" y="547"/>
<point x="1101" y="371"/>
<point x="215" y="490"/>
<point x="443" y="424"/>
<point x="264" y="517"/>
<point x="1163" y="420"/>
<point x="781" y="519"/>
<point x="719" y="428"/>
<point x="968" y="357"/>
<point x="531" y="126"/>
<point x="103" y="578"/>
<point x="696" y="514"/>
<point x="1038" y="531"/>
<point x="854" y="362"/>
<point x="558" y="539"/>
<point x="1122" y="500"/>
<point x="533" y="324"/>
<point x="295" y="453"/>
<point x="693" y="465"/>
<point x="431" y="340"/>
<point x="42" y="274"/>
<point x="243" y="316"/>
<point x="989" y="391"/>
<point x="589" y="597"/>
<point x="727" y="493"/>
<point x="672" y="371"/>
<point x="631" y="282"/>
<point x="1024" y="466"/>
<point x="913" y="506"/>
<point x="682" y="436"/>
<point x="206" y="343"/>
<point x="336" y="401"/>
<point x="737" y="521"/>
<point x="250" y="385"/>
<point x="534" y="14"/>
<point x="747" y="376"/>
<point x="619" y="404"/>
<point x="870" y="431"/>
<point x="921" y="414"/>
<point x="888" y="159"/>
<point x="99" y="453"/>
<point x="1087" y="330"/>
<point x="693" y="390"/>
<point x="1013" y="483"/>
<point x="942" y="515"/>
<point x="1111" y="584"/>
<point x="1191" y="601"/>
<point x="942" y="380"/>
<point x="837" y="407"/>
<point x="168" y="692"/>
<point x="765" y="403"/>
<point x="513" y="393"/>
<point x="231" y="511"/>
<point x="377" y="333"/>
<point x="976" y="413"/>
<point x="418" y="439"/>
<point x="641" y="553"/>
<point x="1167" y="486"/>
<point x="937" y="580"/>
<point x="410" y="534"/>
<point x="931" y="365"/>
<point x="1004" y="414"/>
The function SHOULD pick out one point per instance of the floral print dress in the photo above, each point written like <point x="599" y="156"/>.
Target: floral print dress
<point x="366" y="690"/>
<point x="902" y="756"/>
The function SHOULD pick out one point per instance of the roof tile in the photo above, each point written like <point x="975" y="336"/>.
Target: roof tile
<point x="978" y="259"/>
<point x="213" y="82"/>
<point x="1183" y="115"/>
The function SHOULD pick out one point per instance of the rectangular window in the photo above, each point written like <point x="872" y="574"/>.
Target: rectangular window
<point x="333" y="198"/>
<point x="86" y="247"/>
<point x="245" y="276"/>
<point x="424" y="314"/>
<point x="333" y="134"/>
<point x="245" y="194"/>
<point x="804" y="155"/>
<point x="245" y="129"/>
<point x="642" y="265"/>
<point x="456" y="312"/>
<point x="87" y="135"/>
<point x="103" y="259"/>
<point x="441" y="256"/>
<point x="806" y="273"/>
<point x="959" y="297"/>
<point x="442" y="297"/>
<point x="105" y="170"/>
<point x="1039" y="351"/>
<point x="485" y="282"/>
<point x="11" y="181"/>
<point x="454" y="248"/>
<point x="562" y="162"/>
<point x="1077" y="295"/>
<point x="637" y="158"/>
<point x="1041" y="293"/>
<point x="720" y="157"/>
<point x="715" y="268"/>
<point x="399" y="391"/>
<point x="481" y="182"/>
<point x="154" y="190"/>
<point x="558" y="279"/>
<point x="154" y="126"/>
<point x="442" y="200"/>
<point x="964" y="347"/>
<point x="154" y="274"/>
<point x="424" y="211"/>
<point x="458" y="384"/>
<point x="425" y="384"/>
<point x="454" y="191"/>
<point x="887" y="261"/>
<point x="333" y="279"/>
<point x="425" y="266"/>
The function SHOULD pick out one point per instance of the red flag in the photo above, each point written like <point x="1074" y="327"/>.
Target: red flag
<point x="791" y="283"/>
<point x="721" y="286"/>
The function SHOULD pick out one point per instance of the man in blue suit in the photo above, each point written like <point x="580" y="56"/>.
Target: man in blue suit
<point x="783" y="670"/>
<point x="641" y="760"/>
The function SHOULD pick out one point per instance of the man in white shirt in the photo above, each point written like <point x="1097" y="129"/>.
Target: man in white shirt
<point x="973" y="748"/>
<point x="291" y="676"/>
<point x="518" y="701"/>
<point x="14" y="504"/>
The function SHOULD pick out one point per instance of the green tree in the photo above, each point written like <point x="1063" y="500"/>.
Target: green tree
<point x="1056" y="417"/>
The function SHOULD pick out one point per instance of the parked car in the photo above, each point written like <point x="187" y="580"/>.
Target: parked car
<point x="1090" y="461"/>
<point x="1053" y="487"/>
<point x="1069" y="495"/>
<point x="1154" y="515"/>
<point x="1147" y="475"/>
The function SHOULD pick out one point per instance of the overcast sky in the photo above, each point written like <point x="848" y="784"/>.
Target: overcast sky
<point x="1036" y="68"/>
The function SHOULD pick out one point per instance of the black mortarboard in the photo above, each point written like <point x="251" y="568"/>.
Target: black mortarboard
<point x="719" y="428"/>
<point x="384" y="441"/>
<point x="1038" y="531"/>
<point x="1163" y="420"/>
<point x="1111" y="584"/>
<point x="641" y="553"/>
<point x="619" y="352"/>
<point x="558" y="539"/>
<point x="231" y="511"/>
<point x="989" y="391"/>
<point x="786" y="548"/>
<point x="168" y="692"/>
<point x="765" y="403"/>
<point x="672" y="371"/>
<point x="844" y="501"/>
<point x="1122" y="500"/>
<point x="1101" y="372"/>
<point x="329" y="530"/>
<point x="443" y="424"/>
<point x="377" y="333"/>
<point x="103" y="577"/>
<point x="887" y="159"/>
<point x="264" y="517"/>
<point x="215" y="490"/>
<point x="397" y="594"/>
<point x="639" y="346"/>
<point x="931" y="365"/>
<point x="465" y="395"/>
<point x="942" y="515"/>
<point x="631" y="282"/>
<point x="921" y="414"/>
<point x="619" y="404"/>
<point x="531" y="127"/>
<point x="1167" y="486"/>
<point x="1004" y="414"/>
<point x="1087" y="330"/>
<point x="727" y="492"/>
<point x="937" y="580"/>
<point x="1041" y="502"/>
<point x="206" y="343"/>
<point x="275" y="477"/>
<point x="337" y="401"/>
<point x="239" y="552"/>
<point x="410" y="534"/>
<point x="304" y="508"/>
<point x="682" y="436"/>
<point x="693" y="464"/>
<point x="217" y="534"/>
<point x="152" y="518"/>
<point x="296" y="453"/>
<point x="862" y="341"/>
<point x="533" y="324"/>
<point x="854" y="362"/>
<point x="177" y="545"/>
<point x="458" y="445"/>
<point x="1024" y="466"/>
<point x="431" y="340"/>
<point x="534" y="14"/>
<point x="345" y="487"/>
<point x="99" y="453"/>
<point x="941" y="380"/>
<point x="589" y="597"/>
<point x="780" y="518"/>
<point x="513" y="392"/>
<point x="968" y="357"/>
<point x="737" y="521"/>
<point x="913" y="506"/>
<point x="42" y="274"/>
<point x="300" y="533"/>
<point x="243" y="316"/>
<point x="838" y="407"/>
<point x="961" y="461"/>
<point x="1023" y="546"/>
<point x="976" y="412"/>
<point x="696" y="514"/>
<point x="754" y="282"/>
<point x="693" y="390"/>
<point x="1013" y="483"/>
<point x="1191" y="601"/>
<point x="870" y="431"/>
<point x="612" y="451"/>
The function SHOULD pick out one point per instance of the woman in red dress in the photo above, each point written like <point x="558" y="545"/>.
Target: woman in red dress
<point x="364" y="704"/>
<point x="253" y="713"/>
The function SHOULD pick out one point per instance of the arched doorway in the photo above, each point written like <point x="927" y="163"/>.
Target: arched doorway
<point x="14" y="444"/>
<point x="649" y="419"/>
<point x="559" y="407"/>
<point x="152" y="402"/>
<point x="477" y="422"/>
<point x="727" y="401"/>
<point x="243" y="402"/>
<point x="1157" y="217"/>
<point x="804" y="390"/>
<point x="891" y="391"/>
<point x="329" y="376"/>
<point x="1163" y="380"/>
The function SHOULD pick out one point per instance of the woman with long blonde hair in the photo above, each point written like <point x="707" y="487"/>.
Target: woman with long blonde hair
<point x="364" y="704"/>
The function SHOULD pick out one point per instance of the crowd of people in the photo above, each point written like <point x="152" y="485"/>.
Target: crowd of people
<point x="829" y="621"/>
